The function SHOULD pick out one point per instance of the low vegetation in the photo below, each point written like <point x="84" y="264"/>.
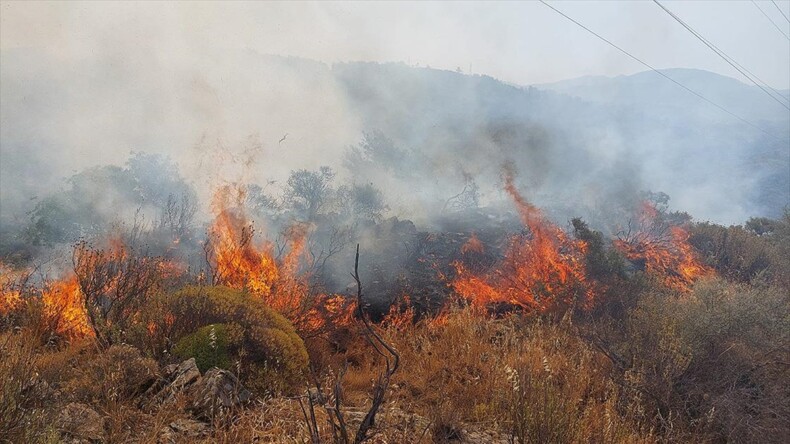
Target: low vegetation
<point x="668" y="331"/>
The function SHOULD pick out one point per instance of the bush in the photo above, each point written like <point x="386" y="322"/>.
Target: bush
<point x="117" y="374"/>
<point x="712" y="364"/>
<point x="25" y="415"/>
<point x="211" y="346"/>
<point x="734" y="252"/>
<point x="272" y="357"/>
<point x="535" y="380"/>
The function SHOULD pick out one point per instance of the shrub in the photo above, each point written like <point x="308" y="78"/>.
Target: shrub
<point x="733" y="251"/>
<point x="24" y="397"/>
<point x="117" y="374"/>
<point x="272" y="357"/>
<point x="740" y="340"/>
<point x="711" y="364"/>
<point x="211" y="346"/>
<point x="534" y="379"/>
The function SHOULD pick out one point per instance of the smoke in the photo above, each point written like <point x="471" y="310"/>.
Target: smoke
<point x="86" y="85"/>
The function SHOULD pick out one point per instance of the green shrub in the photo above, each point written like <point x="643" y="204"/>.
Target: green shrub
<point x="211" y="346"/>
<point x="272" y="357"/>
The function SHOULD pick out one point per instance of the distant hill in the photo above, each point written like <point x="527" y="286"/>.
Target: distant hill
<point x="590" y="140"/>
<point x="649" y="90"/>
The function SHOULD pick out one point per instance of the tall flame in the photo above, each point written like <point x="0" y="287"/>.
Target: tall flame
<point x="538" y="272"/>
<point x="64" y="308"/>
<point x="235" y="258"/>
<point x="10" y="294"/>
<point x="240" y="261"/>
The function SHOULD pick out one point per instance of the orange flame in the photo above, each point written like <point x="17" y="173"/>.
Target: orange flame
<point x="236" y="261"/>
<point x="401" y="314"/>
<point x="663" y="249"/>
<point x="538" y="272"/>
<point x="473" y="245"/>
<point x="239" y="261"/>
<point x="10" y="294"/>
<point x="63" y="303"/>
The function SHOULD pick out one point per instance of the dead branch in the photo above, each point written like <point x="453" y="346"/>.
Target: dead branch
<point x="390" y="355"/>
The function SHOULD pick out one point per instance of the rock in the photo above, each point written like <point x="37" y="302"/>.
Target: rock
<point x="182" y="428"/>
<point x="81" y="423"/>
<point x="176" y="378"/>
<point x="184" y="374"/>
<point x="216" y="391"/>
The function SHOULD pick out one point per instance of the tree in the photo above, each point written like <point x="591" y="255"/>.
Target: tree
<point x="309" y="192"/>
<point x="362" y="201"/>
<point x="377" y="150"/>
<point x="601" y="262"/>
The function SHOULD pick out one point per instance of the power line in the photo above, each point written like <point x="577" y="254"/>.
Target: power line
<point x="659" y="72"/>
<point x="780" y="11"/>
<point x="726" y="58"/>
<point x="770" y="20"/>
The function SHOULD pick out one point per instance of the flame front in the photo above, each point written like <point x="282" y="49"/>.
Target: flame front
<point x="239" y="261"/>
<point x="538" y="272"/>
<point x="10" y="294"/>
<point x="65" y="309"/>
<point x="663" y="250"/>
<point x="236" y="261"/>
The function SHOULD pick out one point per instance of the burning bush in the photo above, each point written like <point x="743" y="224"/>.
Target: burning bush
<point x="238" y="261"/>
<point x="113" y="284"/>
<point x="542" y="270"/>
<point x="661" y="248"/>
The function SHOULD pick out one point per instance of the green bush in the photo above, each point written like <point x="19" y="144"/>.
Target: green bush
<point x="272" y="357"/>
<point x="211" y="346"/>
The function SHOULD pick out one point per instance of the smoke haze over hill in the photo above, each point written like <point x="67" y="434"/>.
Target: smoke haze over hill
<point x="87" y="86"/>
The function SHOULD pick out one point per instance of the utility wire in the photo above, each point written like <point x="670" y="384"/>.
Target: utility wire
<point x="748" y="74"/>
<point x="770" y="20"/>
<point x="780" y="11"/>
<point x="659" y="72"/>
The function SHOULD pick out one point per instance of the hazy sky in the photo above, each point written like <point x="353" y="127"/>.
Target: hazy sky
<point x="516" y="42"/>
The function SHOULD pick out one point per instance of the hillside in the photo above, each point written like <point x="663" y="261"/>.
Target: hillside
<point x="579" y="145"/>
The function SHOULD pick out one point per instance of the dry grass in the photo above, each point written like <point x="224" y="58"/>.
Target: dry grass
<point x="706" y="367"/>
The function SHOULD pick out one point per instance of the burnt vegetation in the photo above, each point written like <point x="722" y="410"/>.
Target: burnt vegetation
<point x="122" y="303"/>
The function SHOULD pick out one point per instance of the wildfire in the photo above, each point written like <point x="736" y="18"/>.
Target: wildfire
<point x="401" y="314"/>
<point x="64" y="308"/>
<point x="473" y="245"/>
<point x="539" y="271"/>
<point x="662" y="249"/>
<point x="238" y="260"/>
<point x="62" y="304"/>
<point x="10" y="295"/>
